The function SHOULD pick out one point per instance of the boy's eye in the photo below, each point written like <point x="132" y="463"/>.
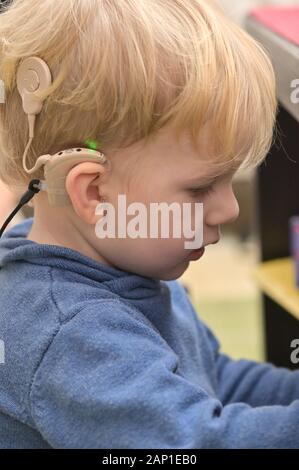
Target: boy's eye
<point x="203" y="191"/>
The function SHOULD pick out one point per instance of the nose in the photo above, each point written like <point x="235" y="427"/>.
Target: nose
<point x="225" y="210"/>
<point x="233" y="211"/>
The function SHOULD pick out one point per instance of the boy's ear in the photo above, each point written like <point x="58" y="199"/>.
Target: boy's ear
<point x="83" y="184"/>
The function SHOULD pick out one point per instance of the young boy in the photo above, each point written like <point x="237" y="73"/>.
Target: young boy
<point x="103" y="348"/>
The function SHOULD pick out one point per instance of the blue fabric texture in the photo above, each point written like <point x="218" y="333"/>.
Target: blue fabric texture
<point x="96" y="357"/>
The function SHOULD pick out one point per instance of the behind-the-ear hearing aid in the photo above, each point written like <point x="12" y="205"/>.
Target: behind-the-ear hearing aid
<point x="33" y="75"/>
<point x="56" y="168"/>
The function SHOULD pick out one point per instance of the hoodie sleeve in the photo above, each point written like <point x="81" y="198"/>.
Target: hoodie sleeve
<point x="109" y="380"/>
<point x="257" y="384"/>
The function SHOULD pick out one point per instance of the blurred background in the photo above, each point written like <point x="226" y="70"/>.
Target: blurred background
<point x="221" y="284"/>
<point x="238" y="9"/>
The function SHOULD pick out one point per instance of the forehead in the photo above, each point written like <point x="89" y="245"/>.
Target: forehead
<point x="173" y="158"/>
<point x="186" y="161"/>
<point x="173" y="149"/>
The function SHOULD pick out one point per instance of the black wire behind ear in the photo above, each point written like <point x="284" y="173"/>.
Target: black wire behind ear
<point x="4" y="4"/>
<point x="33" y="188"/>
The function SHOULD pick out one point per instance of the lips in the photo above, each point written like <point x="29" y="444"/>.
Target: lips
<point x="196" y="254"/>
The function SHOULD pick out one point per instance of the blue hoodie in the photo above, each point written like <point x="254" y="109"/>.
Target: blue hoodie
<point x="96" y="357"/>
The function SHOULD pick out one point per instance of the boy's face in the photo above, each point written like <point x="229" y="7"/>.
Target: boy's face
<point x="165" y="171"/>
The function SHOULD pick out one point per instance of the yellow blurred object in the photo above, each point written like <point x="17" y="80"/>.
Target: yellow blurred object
<point x="276" y="278"/>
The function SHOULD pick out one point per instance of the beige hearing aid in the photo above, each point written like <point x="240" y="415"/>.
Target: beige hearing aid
<point x="57" y="167"/>
<point x="33" y="75"/>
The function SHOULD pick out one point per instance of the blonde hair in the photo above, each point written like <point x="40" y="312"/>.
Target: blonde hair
<point x="123" y="69"/>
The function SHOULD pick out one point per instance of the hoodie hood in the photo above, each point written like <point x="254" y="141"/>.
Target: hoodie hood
<point x="14" y="247"/>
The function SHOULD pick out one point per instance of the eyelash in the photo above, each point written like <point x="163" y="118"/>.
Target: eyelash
<point x="195" y="192"/>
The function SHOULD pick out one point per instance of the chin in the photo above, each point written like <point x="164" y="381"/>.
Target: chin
<point x="175" y="274"/>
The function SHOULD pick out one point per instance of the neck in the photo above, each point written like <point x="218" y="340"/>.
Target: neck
<point x="60" y="226"/>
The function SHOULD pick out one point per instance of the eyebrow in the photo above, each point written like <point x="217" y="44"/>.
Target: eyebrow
<point x="207" y="180"/>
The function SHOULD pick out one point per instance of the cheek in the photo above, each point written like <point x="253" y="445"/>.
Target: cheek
<point x="163" y="248"/>
<point x="149" y="257"/>
<point x="153" y="250"/>
<point x="162" y="252"/>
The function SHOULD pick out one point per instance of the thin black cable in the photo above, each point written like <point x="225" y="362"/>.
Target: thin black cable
<point x="32" y="190"/>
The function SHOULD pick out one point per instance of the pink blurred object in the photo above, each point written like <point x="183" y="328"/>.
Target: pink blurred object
<point x="282" y="20"/>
